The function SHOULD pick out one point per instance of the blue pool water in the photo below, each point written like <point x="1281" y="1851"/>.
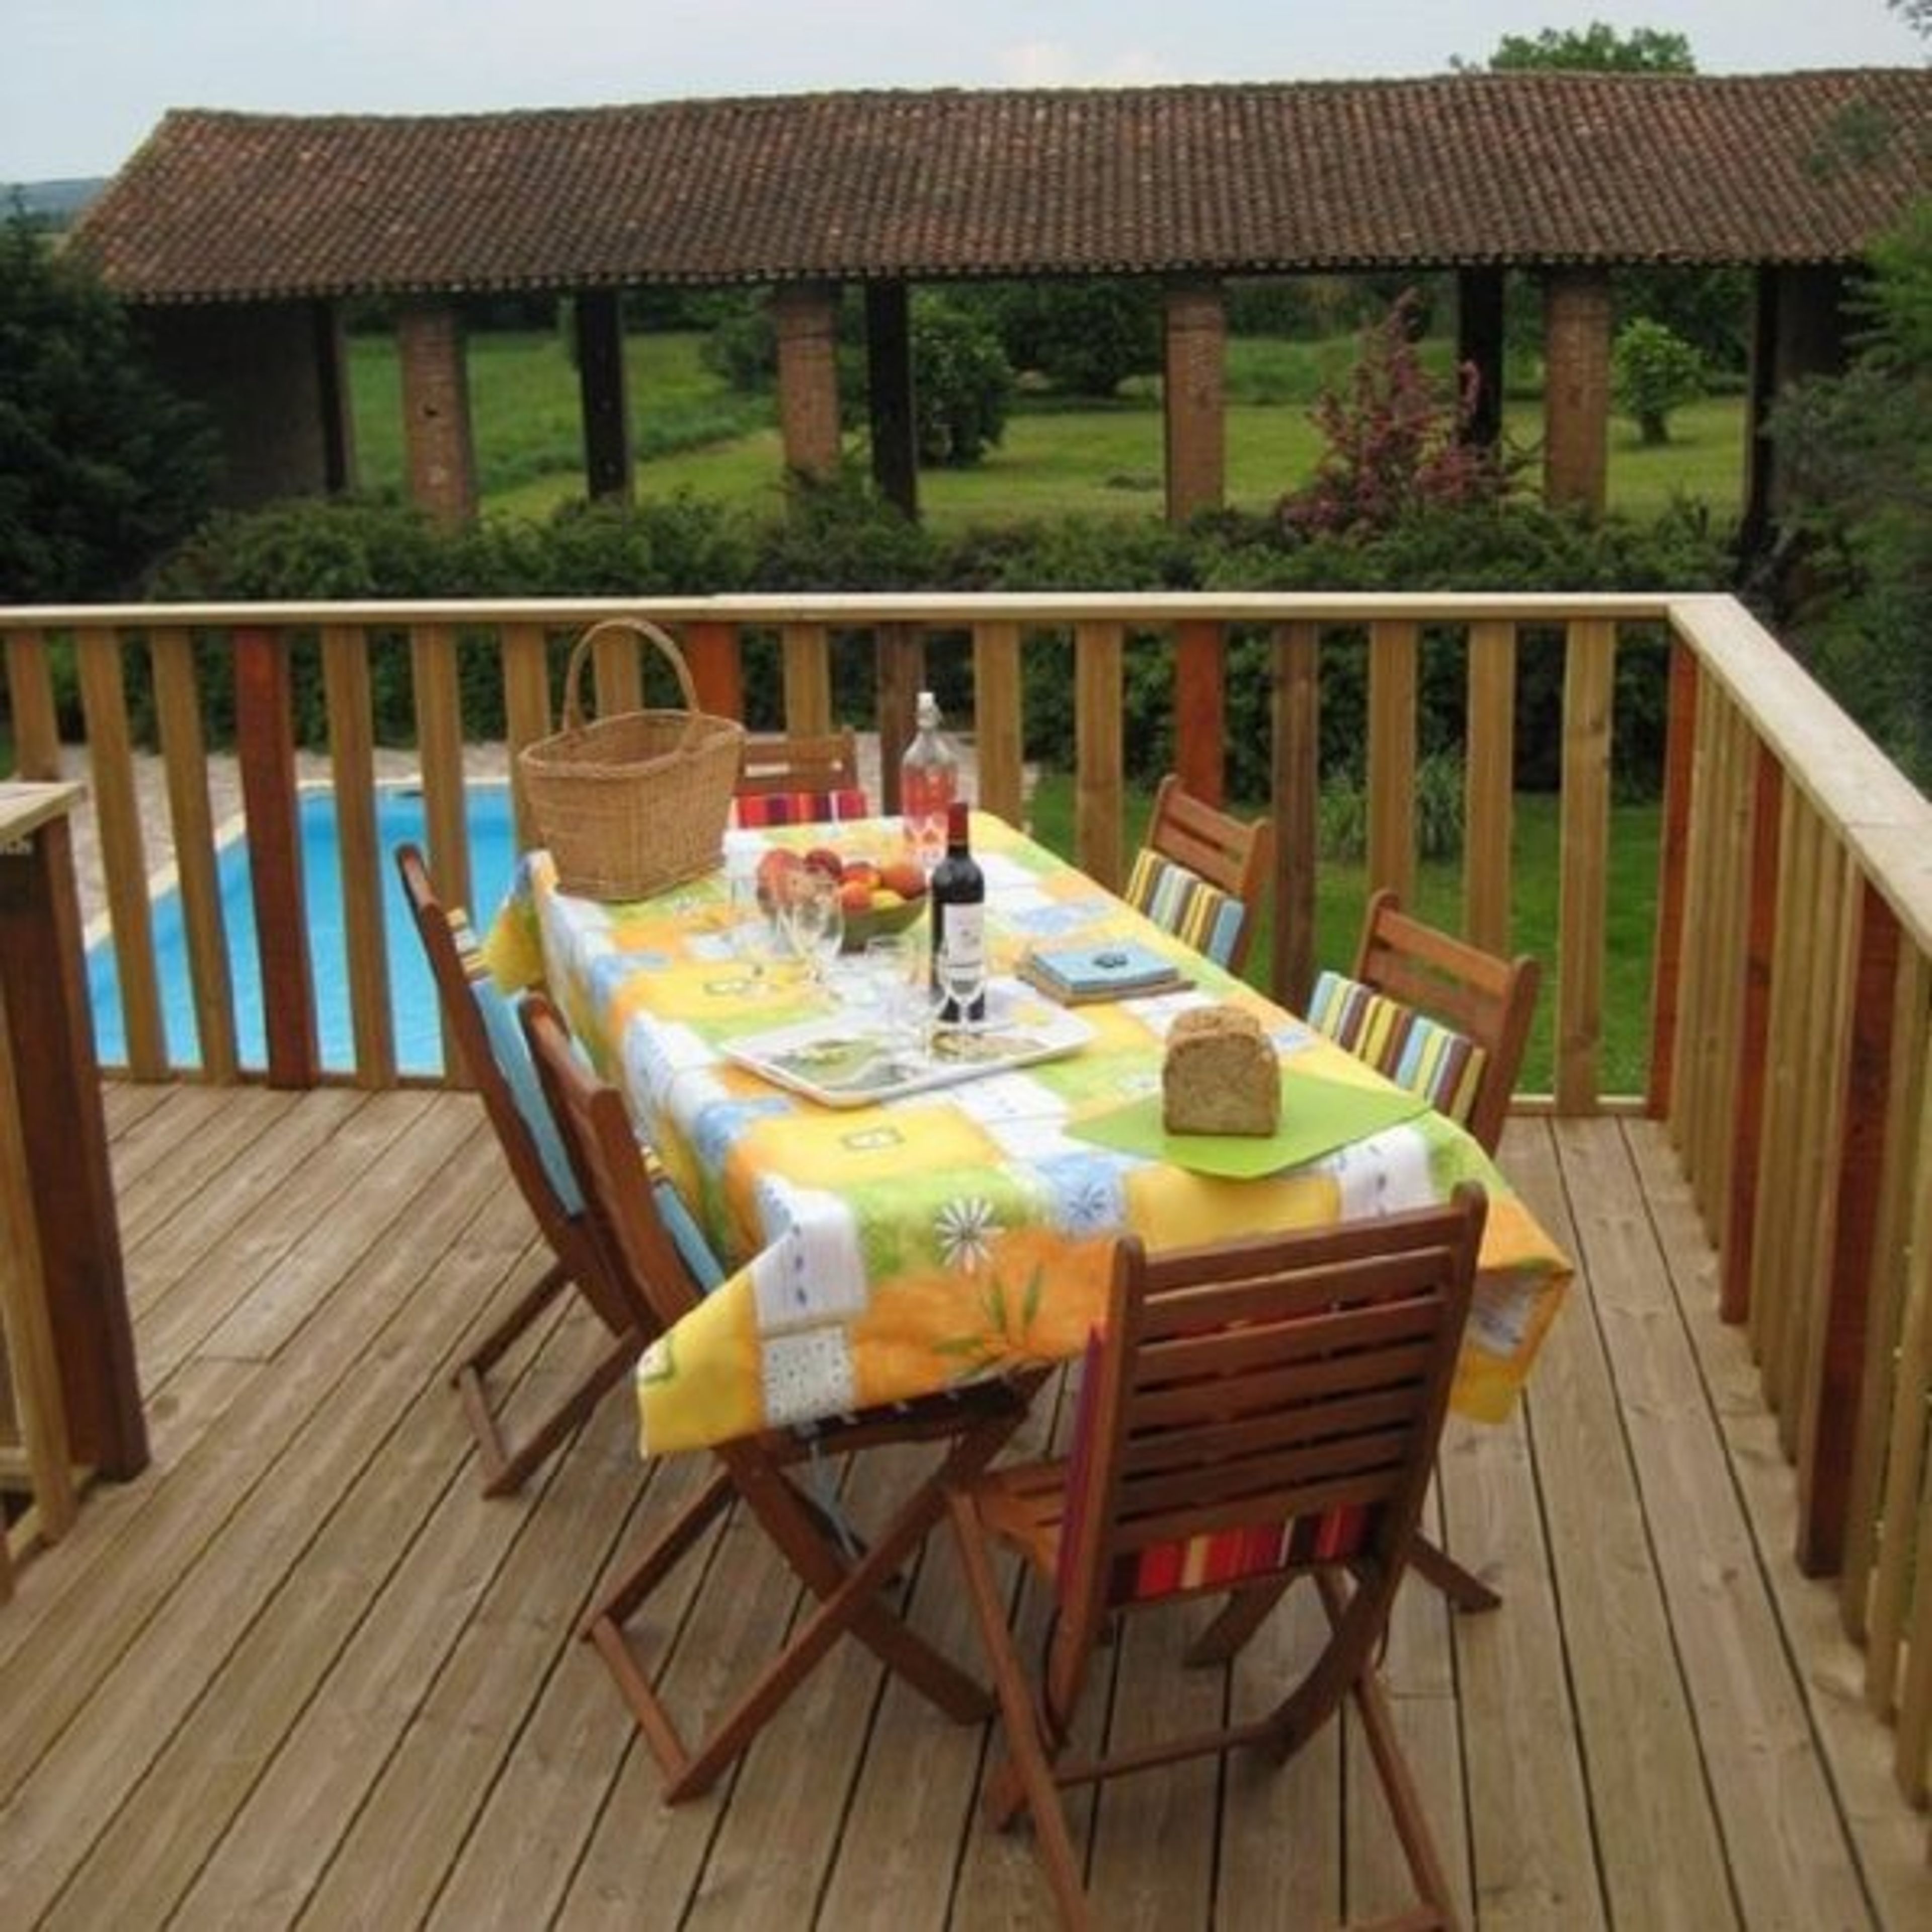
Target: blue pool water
<point x="412" y="992"/>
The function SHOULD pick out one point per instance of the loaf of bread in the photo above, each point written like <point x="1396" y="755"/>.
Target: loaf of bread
<point x="1219" y="1075"/>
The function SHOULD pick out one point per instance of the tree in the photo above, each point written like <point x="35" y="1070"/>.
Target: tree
<point x="1596" y="49"/>
<point x="101" y="467"/>
<point x="1396" y="445"/>
<point x="962" y="383"/>
<point x="1653" y="373"/>
<point x="1086" y="337"/>
<point x="1857" y="467"/>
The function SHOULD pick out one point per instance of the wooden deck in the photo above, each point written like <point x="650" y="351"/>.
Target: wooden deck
<point x="302" y="1672"/>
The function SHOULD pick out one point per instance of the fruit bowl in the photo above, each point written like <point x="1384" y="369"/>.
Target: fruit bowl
<point x="896" y="916"/>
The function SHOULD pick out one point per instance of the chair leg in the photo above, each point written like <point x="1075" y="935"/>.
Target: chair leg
<point x="1463" y="1588"/>
<point x="506" y="1468"/>
<point x="849" y="1602"/>
<point x="1029" y="1763"/>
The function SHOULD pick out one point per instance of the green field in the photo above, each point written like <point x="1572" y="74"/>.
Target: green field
<point x="691" y="433"/>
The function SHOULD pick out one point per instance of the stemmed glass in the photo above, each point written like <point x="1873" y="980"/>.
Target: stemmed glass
<point x="959" y="983"/>
<point x="814" y="923"/>
<point x="750" y="933"/>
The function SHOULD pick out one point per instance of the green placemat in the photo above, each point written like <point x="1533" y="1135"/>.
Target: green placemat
<point x="1317" y="1115"/>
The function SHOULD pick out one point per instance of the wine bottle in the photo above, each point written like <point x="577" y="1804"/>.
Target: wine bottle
<point x="929" y="784"/>
<point x="958" y="900"/>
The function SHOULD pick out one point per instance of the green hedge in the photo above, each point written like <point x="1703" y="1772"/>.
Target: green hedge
<point x="838" y="537"/>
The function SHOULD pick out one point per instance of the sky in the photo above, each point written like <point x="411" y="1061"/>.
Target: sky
<point x="83" y="81"/>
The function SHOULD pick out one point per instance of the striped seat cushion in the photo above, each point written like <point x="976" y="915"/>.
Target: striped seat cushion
<point x="753" y="810"/>
<point x="1183" y="902"/>
<point x="511" y="1051"/>
<point x="1443" y="1067"/>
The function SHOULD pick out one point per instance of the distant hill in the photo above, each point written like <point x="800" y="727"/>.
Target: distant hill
<point x="59" y="201"/>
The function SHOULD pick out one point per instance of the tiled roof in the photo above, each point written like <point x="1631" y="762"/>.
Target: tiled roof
<point x="1464" y="169"/>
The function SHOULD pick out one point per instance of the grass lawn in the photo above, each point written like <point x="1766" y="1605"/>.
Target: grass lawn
<point x="1341" y="890"/>
<point x="692" y="433"/>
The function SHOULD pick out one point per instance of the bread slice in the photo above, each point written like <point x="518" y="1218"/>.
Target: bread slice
<point x="1219" y="1075"/>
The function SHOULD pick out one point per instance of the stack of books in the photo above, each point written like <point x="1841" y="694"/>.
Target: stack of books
<point x="1108" y="969"/>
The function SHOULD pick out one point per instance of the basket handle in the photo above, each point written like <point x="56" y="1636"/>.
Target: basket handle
<point x="634" y="627"/>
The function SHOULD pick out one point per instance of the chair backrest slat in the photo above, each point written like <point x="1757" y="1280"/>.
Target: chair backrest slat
<point x="1245" y="1388"/>
<point x="775" y="762"/>
<point x="1488" y="999"/>
<point x="1230" y="854"/>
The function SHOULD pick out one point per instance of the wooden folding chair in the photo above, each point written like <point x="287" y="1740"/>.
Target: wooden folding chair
<point x="845" y="1577"/>
<point x="485" y="1032"/>
<point x="1201" y="874"/>
<point x="1443" y="1017"/>
<point x="795" y="779"/>
<point x="1256" y="1413"/>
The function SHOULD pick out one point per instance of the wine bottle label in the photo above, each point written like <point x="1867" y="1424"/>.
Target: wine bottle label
<point x="965" y="940"/>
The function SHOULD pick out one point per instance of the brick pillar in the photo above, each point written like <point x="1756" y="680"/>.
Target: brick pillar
<point x="1576" y="388"/>
<point x="441" y="456"/>
<point x="806" y="315"/>
<point x="1194" y="389"/>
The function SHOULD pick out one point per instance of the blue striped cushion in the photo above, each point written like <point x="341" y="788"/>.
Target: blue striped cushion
<point x="1207" y="918"/>
<point x="1443" y="1067"/>
<point x="511" y="1051"/>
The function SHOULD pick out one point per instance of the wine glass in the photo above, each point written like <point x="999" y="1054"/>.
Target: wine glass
<point x="750" y="931"/>
<point x="961" y="978"/>
<point x="815" y="923"/>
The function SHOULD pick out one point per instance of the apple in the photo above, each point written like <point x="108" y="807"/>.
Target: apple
<point x="823" y="859"/>
<point x="904" y="877"/>
<point x="862" y="872"/>
<point x="775" y="867"/>
<point x="855" y="896"/>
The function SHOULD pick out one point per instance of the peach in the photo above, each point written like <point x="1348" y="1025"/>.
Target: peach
<point x="861" y="872"/>
<point x="904" y="877"/>
<point x="823" y="859"/>
<point x="855" y="896"/>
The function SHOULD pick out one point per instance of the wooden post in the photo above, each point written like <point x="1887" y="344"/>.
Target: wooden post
<point x="332" y="399"/>
<point x="1576" y="388"/>
<point x="1479" y="345"/>
<point x="49" y="1029"/>
<point x="890" y="396"/>
<point x="265" y="752"/>
<point x="598" y="316"/>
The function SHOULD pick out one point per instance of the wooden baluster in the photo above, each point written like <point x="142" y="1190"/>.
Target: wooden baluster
<point x="1829" y="1423"/>
<point x="352" y="750"/>
<point x="1295" y="786"/>
<point x="1489" y="786"/>
<point x="998" y="729"/>
<point x="899" y="652"/>
<point x="527" y="713"/>
<point x="1745" y="1124"/>
<point x="1393" y="654"/>
<point x="439" y="710"/>
<point x="1200" y="709"/>
<point x="185" y="759"/>
<point x="1673" y="858"/>
<point x="1098" y="660"/>
<point x="265" y="749"/>
<point x="717" y="668"/>
<point x="123" y="851"/>
<point x="30" y="695"/>
<point x="808" y="679"/>
<point x="617" y="660"/>
<point x="1589" y="671"/>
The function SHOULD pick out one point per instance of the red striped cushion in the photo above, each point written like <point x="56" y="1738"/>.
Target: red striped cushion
<point x="756" y="810"/>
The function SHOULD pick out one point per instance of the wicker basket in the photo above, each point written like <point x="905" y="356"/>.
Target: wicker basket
<point x="638" y="801"/>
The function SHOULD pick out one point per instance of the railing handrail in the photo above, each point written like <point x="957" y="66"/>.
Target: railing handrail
<point x="859" y="608"/>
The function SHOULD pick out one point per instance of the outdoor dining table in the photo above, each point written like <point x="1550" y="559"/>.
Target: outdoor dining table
<point x="879" y="1252"/>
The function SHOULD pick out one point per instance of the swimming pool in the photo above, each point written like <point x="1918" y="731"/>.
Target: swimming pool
<point x="399" y="816"/>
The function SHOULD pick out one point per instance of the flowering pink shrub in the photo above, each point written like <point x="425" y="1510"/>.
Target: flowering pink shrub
<point x="1395" y="444"/>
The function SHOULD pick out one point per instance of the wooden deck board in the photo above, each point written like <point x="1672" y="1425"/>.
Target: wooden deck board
<point x="302" y="1671"/>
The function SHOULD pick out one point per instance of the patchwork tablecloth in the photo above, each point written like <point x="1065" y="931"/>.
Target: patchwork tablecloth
<point x="889" y="1251"/>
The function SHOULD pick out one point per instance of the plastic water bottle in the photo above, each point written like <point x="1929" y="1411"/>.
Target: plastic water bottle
<point x="928" y="784"/>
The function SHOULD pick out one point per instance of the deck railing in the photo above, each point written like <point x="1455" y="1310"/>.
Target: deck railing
<point x="1789" y="1029"/>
